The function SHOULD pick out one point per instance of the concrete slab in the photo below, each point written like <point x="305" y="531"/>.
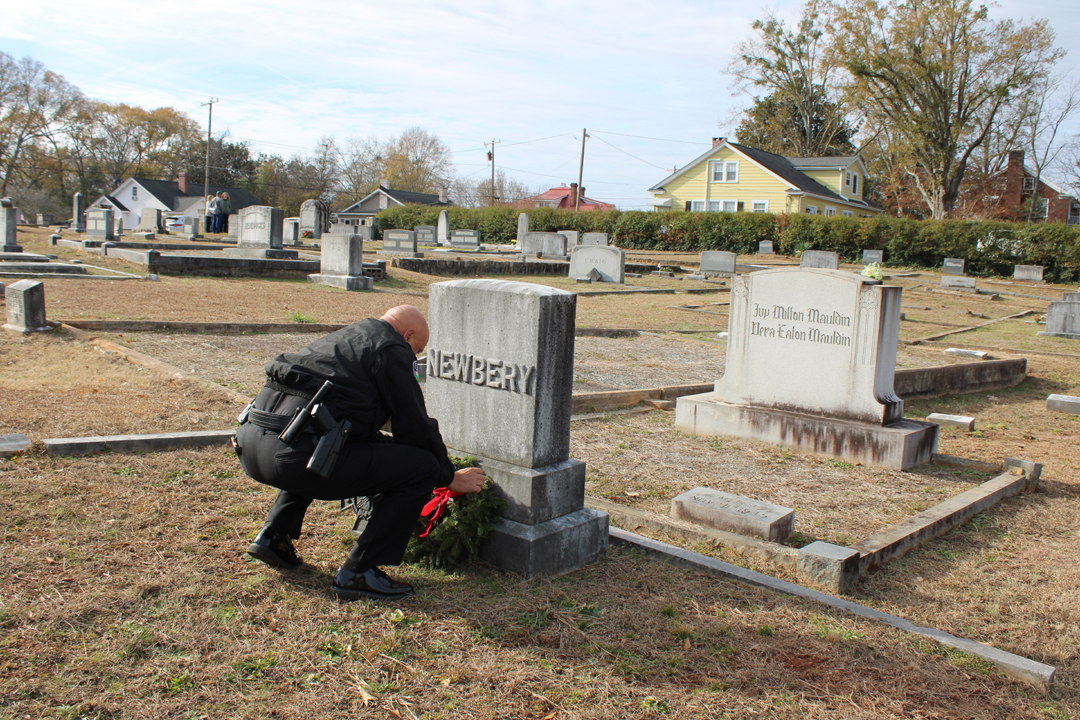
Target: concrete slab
<point x="960" y="421"/>
<point x="1017" y="667"/>
<point x="960" y="352"/>
<point x="13" y="445"/>
<point x="137" y="443"/>
<point x="550" y="548"/>
<point x="1063" y="403"/>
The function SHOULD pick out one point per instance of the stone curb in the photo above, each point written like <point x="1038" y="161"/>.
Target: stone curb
<point x="137" y="443"/>
<point x="1015" y="666"/>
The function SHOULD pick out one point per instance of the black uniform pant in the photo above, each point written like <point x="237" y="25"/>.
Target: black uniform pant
<point x="402" y="475"/>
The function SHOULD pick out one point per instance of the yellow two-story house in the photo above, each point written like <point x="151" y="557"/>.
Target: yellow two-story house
<point x="733" y="178"/>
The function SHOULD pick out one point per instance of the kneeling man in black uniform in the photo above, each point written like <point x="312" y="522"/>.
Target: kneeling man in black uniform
<point x="371" y="369"/>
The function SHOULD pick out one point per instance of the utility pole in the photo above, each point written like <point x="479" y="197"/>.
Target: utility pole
<point x="581" y="169"/>
<point x="491" y="157"/>
<point x="209" y="126"/>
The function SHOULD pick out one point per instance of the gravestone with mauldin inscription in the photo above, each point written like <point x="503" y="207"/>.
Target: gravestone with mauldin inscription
<point x="810" y="361"/>
<point x="25" y="306"/>
<point x="819" y="259"/>
<point x="608" y="262"/>
<point x="260" y="234"/>
<point x="400" y="243"/>
<point x="500" y="373"/>
<point x="734" y="513"/>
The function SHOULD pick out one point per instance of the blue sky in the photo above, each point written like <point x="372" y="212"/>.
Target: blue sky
<point x="644" y="78"/>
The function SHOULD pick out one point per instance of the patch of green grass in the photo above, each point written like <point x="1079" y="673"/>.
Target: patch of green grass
<point x="179" y="684"/>
<point x="535" y="620"/>
<point x="254" y="667"/>
<point x="766" y="630"/>
<point x="652" y="705"/>
<point x="669" y="611"/>
<point x="297" y="316"/>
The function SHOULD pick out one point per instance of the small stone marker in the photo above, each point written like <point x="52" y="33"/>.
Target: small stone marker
<point x="1063" y="319"/>
<point x="13" y="445"/>
<point x="595" y="238"/>
<point x="764" y="247"/>
<point x="953" y="266"/>
<point x="595" y="275"/>
<point x="78" y="212"/>
<point x="718" y="262"/>
<point x="442" y="229"/>
<point x="961" y="352"/>
<point x="290" y="231"/>
<point x="960" y="421"/>
<point x="192" y="227"/>
<point x="1031" y="273"/>
<point x="819" y="259"/>
<point x="500" y="373"/>
<point x="547" y="244"/>
<point x="465" y="239"/>
<point x="733" y="513"/>
<point x="573" y="237"/>
<point x="99" y="223"/>
<point x="873" y="256"/>
<point x="399" y="242"/>
<point x="234" y="226"/>
<point x="958" y="282"/>
<point x="697" y="276"/>
<point x="9" y="220"/>
<point x="425" y="235"/>
<point x="26" y="307"/>
<point x="341" y="263"/>
<point x="789" y="329"/>
<point x="522" y="226"/>
<point x="1063" y="403"/>
<point x="608" y="262"/>
<point x="44" y="220"/>
<point x="833" y="567"/>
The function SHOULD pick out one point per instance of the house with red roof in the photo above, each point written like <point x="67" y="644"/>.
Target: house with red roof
<point x="563" y="198"/>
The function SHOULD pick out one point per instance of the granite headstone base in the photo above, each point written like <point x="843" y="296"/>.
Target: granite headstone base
<point x="261" y="253"/>
<point x="345" y="282"/>
<point x="898" y="446"/>
<point x="536" y="495"/>
<point x="550" y="548"/>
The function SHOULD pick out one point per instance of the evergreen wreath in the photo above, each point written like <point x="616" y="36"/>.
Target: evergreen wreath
<point x="458" y="532"/>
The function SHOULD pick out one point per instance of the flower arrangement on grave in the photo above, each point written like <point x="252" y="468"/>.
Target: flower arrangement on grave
<point x="873" y="270"/>
<point x="307" y="234"/>
<point x="452" y="525"/>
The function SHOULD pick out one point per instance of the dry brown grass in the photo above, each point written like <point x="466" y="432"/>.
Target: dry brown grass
<point x="124" y="592"/>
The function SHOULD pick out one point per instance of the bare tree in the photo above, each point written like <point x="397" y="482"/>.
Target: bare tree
<point x="1049" y="106"/>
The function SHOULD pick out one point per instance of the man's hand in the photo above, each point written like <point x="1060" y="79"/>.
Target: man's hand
<point x="469" y="480"/>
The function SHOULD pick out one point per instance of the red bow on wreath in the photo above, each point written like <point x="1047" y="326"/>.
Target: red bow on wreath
<point x="436" y="506"/>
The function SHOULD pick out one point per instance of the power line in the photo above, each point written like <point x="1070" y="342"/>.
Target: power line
<point x="629" y="155"/>
<point x="645" y="137"/>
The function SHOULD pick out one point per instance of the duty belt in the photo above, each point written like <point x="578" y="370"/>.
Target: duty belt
<point x="274" y="421"/>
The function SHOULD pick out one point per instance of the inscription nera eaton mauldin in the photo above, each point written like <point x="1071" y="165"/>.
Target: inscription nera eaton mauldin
<point x="813" y="325"/>
<point x="481" y="371"/>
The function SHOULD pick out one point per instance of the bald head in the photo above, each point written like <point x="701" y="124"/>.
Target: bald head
<point x="410" y="324"/>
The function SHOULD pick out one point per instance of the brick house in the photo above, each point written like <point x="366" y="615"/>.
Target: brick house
<point x="1008" y="191"/>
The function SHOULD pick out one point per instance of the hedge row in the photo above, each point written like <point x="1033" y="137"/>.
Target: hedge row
<point x="988" y="247"/>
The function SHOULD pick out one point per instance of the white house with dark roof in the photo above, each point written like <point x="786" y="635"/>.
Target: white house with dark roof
<point x="732" y="178"/>
<point x="179" y="198"/>
<point x="364" y="211"/>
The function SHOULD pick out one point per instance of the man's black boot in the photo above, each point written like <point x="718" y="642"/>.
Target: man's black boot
<point x="275" y="549"/>
<point x="371" y="583"/>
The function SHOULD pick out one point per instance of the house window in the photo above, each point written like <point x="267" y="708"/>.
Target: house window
<point x="726" y="171"/>
<point x="854" y="183"/>
<point x="714" y="206"/>
<point x="811" y="210"/>
<point x="731" y="206"/>
<point x="1029" y="183"/>
<point x="847" y="179"/>
<point x="1042" y="205"/>
<point x="134" y="192"/>
<point x="829" y="212"/>
<point x="695" y="205"/>
<point x="761" y="206"/>
<point x="847" y="213"/>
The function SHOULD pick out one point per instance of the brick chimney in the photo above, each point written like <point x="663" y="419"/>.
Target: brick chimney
<point x="383" y="182"/>
<point x="573" y="194"/>
<point x="444" y="195"/>
<point x="1014" y="180"/>
<point x="717" y="141"/>
<point x="181" y="180"/>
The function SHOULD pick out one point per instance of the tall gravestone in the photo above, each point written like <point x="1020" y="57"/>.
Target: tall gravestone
<point x="819" y="259"/>
<point x="26" y="306"/>
<point x="260" y="234"/>
<point x="149" y="220"/>
<point x="1063" y="318"/>
<point x="342" y="263"/>
<point x="99" y="223"/>
<point x="78" y="212"/>
<point x="442" y="229"/>
<point x="522" y="226"/>
<point x="9" y="221"/>
<point x="718" y="262"/>
<point x="608" y="262"/>
<point x="500" y="372"/>
<point x="546" y="244"/>
<point x="314" y="218"/>
<point x="810" y="362"/>
<point x="399" y="242"/>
